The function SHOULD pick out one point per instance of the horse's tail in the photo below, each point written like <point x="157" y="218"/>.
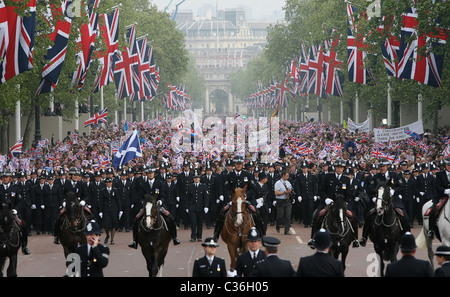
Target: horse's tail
<point x="421" y="240"/>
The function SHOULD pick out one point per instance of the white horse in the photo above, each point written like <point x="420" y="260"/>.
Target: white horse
<point x="443" y="224"/>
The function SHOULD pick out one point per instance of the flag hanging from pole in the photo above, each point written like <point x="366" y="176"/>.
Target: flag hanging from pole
<point x="101" y="117"/>
<point x="16" y="149"/>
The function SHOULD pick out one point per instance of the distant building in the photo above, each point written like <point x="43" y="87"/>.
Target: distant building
<point x="221" y="45"/>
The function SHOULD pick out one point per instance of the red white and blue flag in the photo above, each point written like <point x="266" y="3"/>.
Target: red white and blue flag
<point x="334" y="79"/>
<point x="16" y="149"/>
<point x="126" y="70"/>
<point x="357" y="70"/>
<point x="56" y="54"/>
<point x="145" y="86"/>
<point x="101" y="117"/>
<point x="16" y="40"/>
<point x="110" y="33"/>
<point x="424" y="69"/>
<point x="86" y="41"/>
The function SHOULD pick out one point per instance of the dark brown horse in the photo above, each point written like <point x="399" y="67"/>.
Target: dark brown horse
<point x="153" y="235"/>
<point x="9" y="240"/>
<point x="238" y="222"/>
<point x="72" y="224"/>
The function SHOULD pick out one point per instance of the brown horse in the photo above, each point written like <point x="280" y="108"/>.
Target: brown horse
<point x="153" y="235"/>
<point x="238" y="222"/>
<point x="72" y="223"/>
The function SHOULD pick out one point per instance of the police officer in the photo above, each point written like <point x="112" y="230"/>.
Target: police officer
<point x="409" y="198"/>
<point x="408" y="265"/>
<point x="23" y="201"/>
<point x="426" y="186"/>
<point x="185" y="178"/>
<point x="262" y="201"/>
<point x="397" y="191"/>
<point x="210" y="265"/>
<point x="93" y="255"/>
<point x="334" y="184"/>
<point x="53" y="199"/>
<point x="272" y="265"/>
<point x="246" y="261"/>
<point x="306" y="189"/>
<point x="9" y="193"/>
<point x="321" y="264"/>
<point x="197" y="206"/>
<point x="443" y="259"/>
<point x="123" y="187"/>
<point x="214" y="188"/>
<point x="442" y="194"/>
<point x="110" y="209"/>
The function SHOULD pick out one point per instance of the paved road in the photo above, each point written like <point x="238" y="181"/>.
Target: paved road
<point x="47" y="259"/>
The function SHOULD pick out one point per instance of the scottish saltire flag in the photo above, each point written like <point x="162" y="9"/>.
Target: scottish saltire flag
<point x="57" y="53"/>
<point x="16" y="40"/>
<point x="412" y="65"/>
<point x="130" y="150"/>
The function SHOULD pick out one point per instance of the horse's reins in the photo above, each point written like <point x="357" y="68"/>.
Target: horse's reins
<point x="385" y="205"/>
<point x="157" y="219"/>
<point x="8" y="238"/>
<point x="344" y="231"/>
<point x="81" y="219"/>
<point x="233" y="217"/>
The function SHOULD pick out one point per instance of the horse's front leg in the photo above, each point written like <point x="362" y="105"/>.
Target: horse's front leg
<point x="12" y="268"/>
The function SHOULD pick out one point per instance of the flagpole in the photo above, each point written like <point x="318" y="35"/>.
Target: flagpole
<point x="17" y="120"/>
<point x="389" y="104"/>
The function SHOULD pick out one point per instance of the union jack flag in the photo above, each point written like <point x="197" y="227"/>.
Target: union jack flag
<point x="57" y="53"/>
<point x="126" y="71"/>
<point x="16" y="149"/>
<point x="376" y="153"/>
<point x="86" y="40"/>
<point x="145" y="87"/>
<point x="303" y="71"/>
<point x="390" y="49"/>
<point x="101" y="117"/>
<point x="333" y="78"/>
<point x="388" y="156"/>
<point x="316" y="73"/>
<point x="425" y="69"/>
<point x="357" y="72"/>
<point x="16" y="40"/>
<point x="110" y="34"/>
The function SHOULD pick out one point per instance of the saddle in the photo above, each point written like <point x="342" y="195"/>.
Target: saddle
<point x="438" y="207"/>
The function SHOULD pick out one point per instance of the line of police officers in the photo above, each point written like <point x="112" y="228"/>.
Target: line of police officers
<point x="38" y="198"/>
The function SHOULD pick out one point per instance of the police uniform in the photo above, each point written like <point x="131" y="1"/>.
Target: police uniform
<point x="306" y="189"/>
<point x="272" y="265"/>
<point x="123" y="187"/>
<point x="246" y="261"/>
<point x="204" y="267"/>
<point x="93" y="260"/>
<point x="408" y="265"/>
<point x="110" y="206"/>
<point x="197" y="206"/>
<point x="321" y="264"/>
<point x="213" y="187"/>
<point x="185" y="179"/>
<point x="444" y="270"/>
<point x="53" y="199"/>
<point x="262" y="200"/>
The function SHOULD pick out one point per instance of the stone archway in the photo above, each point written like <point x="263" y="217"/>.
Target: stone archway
<point x="221" y="88"/>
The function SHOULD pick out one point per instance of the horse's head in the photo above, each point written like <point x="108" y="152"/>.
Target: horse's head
<point x="151" y="210"/>
<point x="384" y="199"/>
<point x="73" y="209"/>
<point x="338" y="211"/>
<point x="238" y="199"/>
<point x="6" y="214"/>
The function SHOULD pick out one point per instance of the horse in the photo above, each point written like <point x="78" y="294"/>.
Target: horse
<point x="442" y="224"/>
<point x="72" y="223"/>
<point x="153" y="235"/>
<point x="9" y="240"/>
<point x="385" y="230"/>
<point x="336" y="222"/>
<point x="238" y="222"/>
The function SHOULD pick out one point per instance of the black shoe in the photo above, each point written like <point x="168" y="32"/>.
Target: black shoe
<point x="311" y="243"/>
<point x="176" y="241"/>
<point x="106" y="239"/>
<point x="277" y="228"/>
<point x="430" y="234"/>
<point x="362" y="241"/>
<point x="56" y="240"/>
<point x="133" y="245"/>
<point x="355" y="243"/>
<point x="25" y="250"/>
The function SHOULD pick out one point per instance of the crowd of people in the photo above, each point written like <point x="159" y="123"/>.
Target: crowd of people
<point x="292" y="188"/>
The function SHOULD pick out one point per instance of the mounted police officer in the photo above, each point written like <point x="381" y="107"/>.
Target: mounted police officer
<point x="397" y="191"/>
<point x="333" y="184"/>
<point x="238" y="179"/>
<point x="441" y="197"/>
<point x="9" y="193"/>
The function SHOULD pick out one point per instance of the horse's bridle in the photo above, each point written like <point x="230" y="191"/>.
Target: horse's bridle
<point x="233" y="216"/>
<point x="81" y="219"/>
<point x="345" y="221"/>
<point x="385" y="206"/>
<point x="157" y="220"/>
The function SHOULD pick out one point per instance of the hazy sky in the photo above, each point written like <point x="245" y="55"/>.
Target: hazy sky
<point x="257" y="9"/>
